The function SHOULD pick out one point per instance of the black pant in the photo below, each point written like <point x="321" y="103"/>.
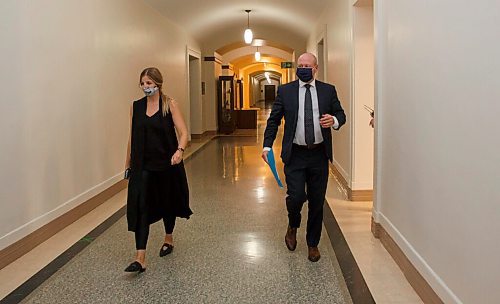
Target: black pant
<point x="307" y="169"/>
<point x="151" y="181"/>
<point x="142" y="231"/>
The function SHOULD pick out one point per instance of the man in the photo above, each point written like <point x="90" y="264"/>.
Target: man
<point x="311" y="108"/>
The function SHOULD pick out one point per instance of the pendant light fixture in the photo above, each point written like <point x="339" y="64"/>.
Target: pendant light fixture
<point x="248" y="32"/>
<point x="257" y="55"/>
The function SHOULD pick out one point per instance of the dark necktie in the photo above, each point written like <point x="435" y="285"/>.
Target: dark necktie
<point x="308" y="117"/>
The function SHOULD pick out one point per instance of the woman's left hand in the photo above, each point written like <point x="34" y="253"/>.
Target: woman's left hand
<point x="176" y="158"/>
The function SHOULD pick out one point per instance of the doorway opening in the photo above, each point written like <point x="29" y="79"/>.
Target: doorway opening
<point x="362" y="160"/>
<point x="321" y="60"/>
<point x="195" y="113"/>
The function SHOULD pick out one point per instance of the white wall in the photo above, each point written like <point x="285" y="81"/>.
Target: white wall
<point x="69" y="70"/>
<point x="334" y="27"/>
<point x="438" y="94"/>
<point x="363" y="88"/>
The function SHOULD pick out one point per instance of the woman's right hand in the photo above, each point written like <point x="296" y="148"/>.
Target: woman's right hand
<point x="177" y="157"/>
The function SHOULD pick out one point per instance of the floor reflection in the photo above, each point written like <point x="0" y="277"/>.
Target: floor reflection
<point x="251" y="247"/>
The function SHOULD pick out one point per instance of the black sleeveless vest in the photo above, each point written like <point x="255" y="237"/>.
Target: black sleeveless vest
<point x="179" y="187"/>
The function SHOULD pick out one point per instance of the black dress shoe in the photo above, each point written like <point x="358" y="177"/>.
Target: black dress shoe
<point x="291" y="238"/>
<point x="135" y="267"/>
<point x="166" y="249"/>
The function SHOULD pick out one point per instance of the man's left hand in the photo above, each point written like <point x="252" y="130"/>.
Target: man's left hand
<point x="326" y="121"/>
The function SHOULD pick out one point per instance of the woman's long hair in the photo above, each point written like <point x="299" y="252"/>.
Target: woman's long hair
<point x="157" y="78"/>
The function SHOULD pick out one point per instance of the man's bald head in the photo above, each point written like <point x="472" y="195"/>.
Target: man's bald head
<point x="307" y="66"/>
<point x="309" y="59"/>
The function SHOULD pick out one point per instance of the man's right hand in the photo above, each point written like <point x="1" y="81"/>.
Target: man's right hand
<point x="264" y="156"/>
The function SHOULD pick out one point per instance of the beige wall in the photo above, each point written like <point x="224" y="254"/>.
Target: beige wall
<point x="69" y="73"/>
<point x="196" y="105"/>
<point x="438" y="94"/>
<point x="211" y="70"/>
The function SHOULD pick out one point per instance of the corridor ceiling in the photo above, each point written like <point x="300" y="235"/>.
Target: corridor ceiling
<point x="217" y="23"/>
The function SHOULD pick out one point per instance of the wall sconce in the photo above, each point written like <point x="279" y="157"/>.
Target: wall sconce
<point x="248" y="32"/>
<point x="257" y="55"/>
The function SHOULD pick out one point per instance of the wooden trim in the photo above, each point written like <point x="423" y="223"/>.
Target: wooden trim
<point x="341" y="179"/>
<point x="206" y="133"/>
<point x="361" y="195"/>
<point x="26" y="244"/>
<point x="352" y="195"/>
<point x="419" y="284"/>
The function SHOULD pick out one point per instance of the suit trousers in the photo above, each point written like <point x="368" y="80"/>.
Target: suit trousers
<point x="307" y="177"/>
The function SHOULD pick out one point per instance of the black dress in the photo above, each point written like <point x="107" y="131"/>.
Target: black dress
<point x="171" y="197"/>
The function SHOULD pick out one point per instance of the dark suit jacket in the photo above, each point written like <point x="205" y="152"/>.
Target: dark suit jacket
<point x="287" y="105"/>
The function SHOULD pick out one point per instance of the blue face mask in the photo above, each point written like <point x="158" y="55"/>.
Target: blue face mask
<point x="305" y="74"/>
<point x="150" y="91"/>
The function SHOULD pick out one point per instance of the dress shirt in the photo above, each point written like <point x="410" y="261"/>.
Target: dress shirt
<point x="299" y="138"/>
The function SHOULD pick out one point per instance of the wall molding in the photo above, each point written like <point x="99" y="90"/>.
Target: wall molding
<point x="352" y="195"/>
<point x="410" y="263"/>
<point x="212" y="58"/>
<point x="40" y="235"/>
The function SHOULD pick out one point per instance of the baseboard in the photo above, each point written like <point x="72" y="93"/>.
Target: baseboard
<point x="416" y="280"/>
<point x="206" y="133"/>
<point x="352" y="195"/>
<point x="362" y="195"/>
<point x="27" y="243"/>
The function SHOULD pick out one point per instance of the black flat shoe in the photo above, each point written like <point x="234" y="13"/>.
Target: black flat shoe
<point x="166" y="249"/>
<point x="135" y="267"/>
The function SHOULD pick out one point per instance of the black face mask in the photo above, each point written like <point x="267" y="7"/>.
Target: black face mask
<point x="305" y="74"/>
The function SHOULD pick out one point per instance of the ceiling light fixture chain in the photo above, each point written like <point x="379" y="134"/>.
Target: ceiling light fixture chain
<point x="248" y="35"/>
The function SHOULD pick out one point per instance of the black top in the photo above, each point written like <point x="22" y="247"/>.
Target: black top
<point x="156" y="156"/>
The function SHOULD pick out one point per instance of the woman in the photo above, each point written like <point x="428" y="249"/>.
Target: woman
<point x="158" y="186"/>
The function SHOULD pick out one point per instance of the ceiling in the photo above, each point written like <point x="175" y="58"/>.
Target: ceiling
<point x="217" y="23"/>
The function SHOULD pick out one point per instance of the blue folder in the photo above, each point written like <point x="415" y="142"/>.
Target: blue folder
<point x="272" y="165"/>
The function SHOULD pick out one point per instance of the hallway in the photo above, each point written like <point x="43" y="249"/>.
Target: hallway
<point x="230" y="251"/>
<point x="413" y="197"/>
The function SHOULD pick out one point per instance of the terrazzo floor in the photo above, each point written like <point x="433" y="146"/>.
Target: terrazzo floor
<point x="230" y="251"/>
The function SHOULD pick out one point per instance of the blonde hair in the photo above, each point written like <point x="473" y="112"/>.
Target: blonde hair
<point x="157" y="78"/>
